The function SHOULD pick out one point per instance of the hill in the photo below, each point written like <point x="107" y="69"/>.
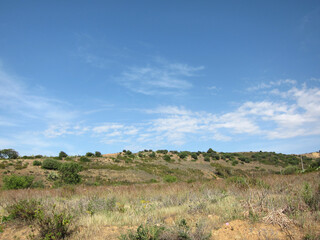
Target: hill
<point x="161" y="195"/>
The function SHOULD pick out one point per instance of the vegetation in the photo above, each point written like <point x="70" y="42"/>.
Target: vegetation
<point x="17" y="182"/>
<point x="63" y="155"/>
<point x="161" y="195"/>
<point x="9" y="153"/>
<point x="69" y="173"/>
<point x="50" y="164"/>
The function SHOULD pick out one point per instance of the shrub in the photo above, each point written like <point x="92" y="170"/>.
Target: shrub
<point x="53" y="224"/>
<point x="69" y="172"/>
<point x="37" y="163"/>
<point x="144" y="233"/>
<point x="62" y="154"/>
<point x="152" y="155"/>
<point x="235" y="162"/>
<point x="24" y="210"/>
<point x="290" y="170"/>
<point x="240" y="182"/>
<point x="194" y="156"/>
<point x="38" y="156"/>
<point x="89" y="154"/>
<point x="53" y="176"/>
<point x="98" y="154"/>
<point x="207" y="159"/>
<point x="162" y="151"/>
<point x="50" y="164"/>
<point x="84" y="159"/>
<point x="183" y="155"/>
<point x="167" y="158"/>
<point x="17" y="182"/>
<point x="170" y="178"/>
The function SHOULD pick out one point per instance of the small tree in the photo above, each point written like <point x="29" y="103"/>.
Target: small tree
<point x="69" y="172"/>
<point x="211" y="151"/>
<point x="62" y="154"/>
<point x="98" y="154"/>
<point x="89" y="154"/>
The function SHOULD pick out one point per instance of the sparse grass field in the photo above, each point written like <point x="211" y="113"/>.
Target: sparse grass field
<point x="155" y="198"/>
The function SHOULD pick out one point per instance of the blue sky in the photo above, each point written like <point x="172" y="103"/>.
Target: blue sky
<point x="82" y="76"/>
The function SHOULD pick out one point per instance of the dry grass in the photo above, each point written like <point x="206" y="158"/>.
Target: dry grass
<point x="119" y="208"/>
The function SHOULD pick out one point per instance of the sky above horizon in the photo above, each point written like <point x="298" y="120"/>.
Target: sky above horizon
<point x="83" y="76"/>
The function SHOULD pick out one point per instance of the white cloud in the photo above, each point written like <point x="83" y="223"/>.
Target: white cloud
<point x="288" y="82"/>
<point x="16" y="98"/>
<point x="161" y="78"/>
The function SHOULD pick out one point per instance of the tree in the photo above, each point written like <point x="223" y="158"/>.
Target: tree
<point x="211" y="151"/>
<point x="89" y="154"/>
<point x="98" y="154"/>
<point x="9" y="153"/>
<point x="62" y="154"/>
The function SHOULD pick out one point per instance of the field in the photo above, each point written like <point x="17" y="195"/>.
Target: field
<point x="163" y="195"/>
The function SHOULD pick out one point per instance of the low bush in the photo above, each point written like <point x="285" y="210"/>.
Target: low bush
<point x="53" y="224"/>
<point x="50" y="164"/>
<point x="17" y="182"/>
<point x="170" y="178"/>
<point x="167" y="158"/>
<point x="84" y="159"/>
<point x="23" y="210"/>
<point x="290" y="170"/>
<point x="37" y="163"/>
<point x="144" y="233"/>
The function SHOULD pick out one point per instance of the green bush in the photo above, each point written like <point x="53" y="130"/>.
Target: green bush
<point x="69" y="172"/>
<point x="84" y="159"/>
<point x="37" y="163"/>
<point x="207" y="159"/>
<point x="183" y="155"/>
<point x="235" y="162"/>
<point x="167" y="158"/>
<point x="50" y="164"/>
<point x="194" y="156"/>
<point x="290" y="170"/>
<point x="17" y="182"/>
<point x="170" y="178"/>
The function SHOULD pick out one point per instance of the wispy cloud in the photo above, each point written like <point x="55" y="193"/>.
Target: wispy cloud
<point x="272" y="84"/>
<point x="159" y="78"/>
<point x="16" y="98"/>
<point x="296" y="115"/>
